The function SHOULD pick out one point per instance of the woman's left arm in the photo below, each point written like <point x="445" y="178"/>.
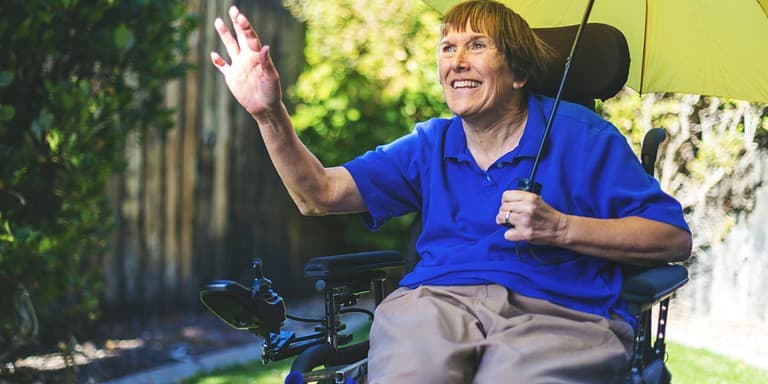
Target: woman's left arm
<point x="632" y="240"/>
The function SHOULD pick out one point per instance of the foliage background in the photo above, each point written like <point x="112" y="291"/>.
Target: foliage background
<point x="76" y="78"/>
<point x="371" y="74"/>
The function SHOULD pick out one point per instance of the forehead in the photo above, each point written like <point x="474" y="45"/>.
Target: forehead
<point x="467" y="33"/>
<point x="459" y="37"/>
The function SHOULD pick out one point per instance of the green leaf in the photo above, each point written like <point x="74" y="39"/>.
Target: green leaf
<point x="6" y="77"/>
<point x="8" y="235"/>
<point x="124" y="37"/>
<point x="7" y="112"/>
<point x="41" y="125"/>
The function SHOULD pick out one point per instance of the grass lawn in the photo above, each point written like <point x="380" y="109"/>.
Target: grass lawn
<point x="688" y="366"/>
<point x="242" y="374"/>
<point x="694" y="365"/>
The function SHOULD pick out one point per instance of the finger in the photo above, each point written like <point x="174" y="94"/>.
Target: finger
<point x="230" y="44"/>
<point x="251" y="37"/>
<point x="501" y="217"/>
<point x="506" y="218"/>
<point x="512" y="234"/>
<point x="505" y="214"/>
<point x="219" y="62"/>
<point x="245" y="33"/>
<point x="513" y="195"/>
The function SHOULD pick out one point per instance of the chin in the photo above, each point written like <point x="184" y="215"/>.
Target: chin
<point x="458" y="108"/>
<point x="464" y="114"/>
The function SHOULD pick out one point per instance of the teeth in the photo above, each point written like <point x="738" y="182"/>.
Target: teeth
<point x="466" y="84"/>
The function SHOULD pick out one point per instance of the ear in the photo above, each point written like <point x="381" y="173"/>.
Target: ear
<point x="521" y="78"/>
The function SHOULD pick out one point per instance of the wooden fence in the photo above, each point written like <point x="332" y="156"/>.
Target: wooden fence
<point x="200" y="201"/>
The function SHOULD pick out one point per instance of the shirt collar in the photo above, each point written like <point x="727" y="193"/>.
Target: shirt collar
<point x="538" y="106"/>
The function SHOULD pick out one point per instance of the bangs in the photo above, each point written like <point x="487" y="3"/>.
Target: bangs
<point x="482" y="17"/>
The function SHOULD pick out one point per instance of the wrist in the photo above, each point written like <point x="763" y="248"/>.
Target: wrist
<point x="270" y="113"/>
<point x="563" y="230"/>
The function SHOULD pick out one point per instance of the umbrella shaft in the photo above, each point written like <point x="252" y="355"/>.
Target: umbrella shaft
<point x="558" y="96"/>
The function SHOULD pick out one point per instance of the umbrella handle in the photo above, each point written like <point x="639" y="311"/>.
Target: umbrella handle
<point x="529" y="184"/>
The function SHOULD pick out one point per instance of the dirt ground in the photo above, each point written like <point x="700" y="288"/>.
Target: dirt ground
<point x="120" y="348"/>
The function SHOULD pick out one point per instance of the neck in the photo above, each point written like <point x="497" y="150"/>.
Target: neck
<point x="488" y="142"/>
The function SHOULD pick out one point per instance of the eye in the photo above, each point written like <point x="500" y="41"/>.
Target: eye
<point x="447" y="50"/>
<point x="478" y="46"/>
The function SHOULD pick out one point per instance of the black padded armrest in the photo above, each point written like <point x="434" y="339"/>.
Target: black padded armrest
<point x="650" y="287"/>
<point x="650" y="148"/>
<point x="352" y="264"/>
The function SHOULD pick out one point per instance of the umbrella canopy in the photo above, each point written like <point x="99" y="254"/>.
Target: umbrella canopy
<point x="706" y="47"/>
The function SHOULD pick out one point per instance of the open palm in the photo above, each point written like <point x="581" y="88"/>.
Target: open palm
<point x="251" y="76"/>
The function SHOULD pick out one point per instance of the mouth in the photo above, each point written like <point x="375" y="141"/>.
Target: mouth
<point x="465" y="84"/>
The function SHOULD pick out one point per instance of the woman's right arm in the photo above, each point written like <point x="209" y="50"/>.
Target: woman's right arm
<point x="255" y="83"/>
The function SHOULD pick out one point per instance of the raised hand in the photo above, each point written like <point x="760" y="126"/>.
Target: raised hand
<point x="251" y="76"/>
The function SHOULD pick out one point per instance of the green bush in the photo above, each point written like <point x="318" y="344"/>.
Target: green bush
<point x="370" y="76"/>
<point x="76" y="77"/>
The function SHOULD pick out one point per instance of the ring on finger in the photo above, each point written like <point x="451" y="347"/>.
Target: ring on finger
<point x="506" y="217"/>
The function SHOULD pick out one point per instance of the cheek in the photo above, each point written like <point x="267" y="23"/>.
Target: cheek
<point x="442" y="72"/>
<point x="505" y="79"/>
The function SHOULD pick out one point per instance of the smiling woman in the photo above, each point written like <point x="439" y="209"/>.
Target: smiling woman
<point x="484" y="243"/>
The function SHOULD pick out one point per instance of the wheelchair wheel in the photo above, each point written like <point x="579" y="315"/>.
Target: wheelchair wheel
<point x="346" y="365"/>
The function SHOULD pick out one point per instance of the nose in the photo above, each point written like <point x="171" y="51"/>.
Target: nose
<point x="459" y="61"/>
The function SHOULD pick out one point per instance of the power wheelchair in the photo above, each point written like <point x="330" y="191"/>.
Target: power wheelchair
<point x="599" y="72"/>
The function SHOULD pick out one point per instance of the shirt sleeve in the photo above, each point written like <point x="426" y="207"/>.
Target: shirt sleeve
<point x="616" y="185"/>
<point x="388" y="179"/>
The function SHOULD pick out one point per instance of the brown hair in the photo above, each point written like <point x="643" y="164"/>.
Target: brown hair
<point x="525" y="53"/>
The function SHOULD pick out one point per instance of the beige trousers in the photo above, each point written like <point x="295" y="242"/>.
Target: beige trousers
<point x="488" y="334"/>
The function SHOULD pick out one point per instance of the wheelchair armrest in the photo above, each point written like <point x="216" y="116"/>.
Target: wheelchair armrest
<point x="647" y="288"/>
<point x="351" y="265"/>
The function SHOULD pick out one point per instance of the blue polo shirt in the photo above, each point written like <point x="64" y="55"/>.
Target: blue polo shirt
<point x="588" y="169"/>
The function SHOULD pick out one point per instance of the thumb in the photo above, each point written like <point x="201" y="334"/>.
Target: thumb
<point x="266" y="59"/>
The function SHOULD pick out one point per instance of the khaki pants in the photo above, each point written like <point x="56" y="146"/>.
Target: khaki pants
<point x="488" y="334"/>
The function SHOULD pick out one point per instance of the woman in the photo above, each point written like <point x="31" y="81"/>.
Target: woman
<point x="511" y="286"/>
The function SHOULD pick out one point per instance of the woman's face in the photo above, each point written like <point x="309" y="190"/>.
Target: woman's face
<point x="475" y="76"/>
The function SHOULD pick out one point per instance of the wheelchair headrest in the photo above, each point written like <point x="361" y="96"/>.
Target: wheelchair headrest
<point x="600" y="65"/>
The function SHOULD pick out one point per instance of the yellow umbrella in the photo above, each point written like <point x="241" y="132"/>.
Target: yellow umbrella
<point x="706" y="47"/>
